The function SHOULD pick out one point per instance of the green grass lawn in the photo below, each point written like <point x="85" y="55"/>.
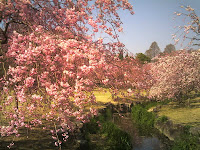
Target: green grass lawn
<point x="103" y="96"/>
<point x="183" y="115"/>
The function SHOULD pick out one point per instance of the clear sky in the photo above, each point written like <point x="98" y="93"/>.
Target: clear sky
<point x="152" y="21"/>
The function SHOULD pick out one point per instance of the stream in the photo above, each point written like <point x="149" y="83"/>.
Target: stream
<point x="153" y="141"/>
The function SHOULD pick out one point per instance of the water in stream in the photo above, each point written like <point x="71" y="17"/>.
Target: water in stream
<point x="149" y="143"/>
<point x="153" y="141"/>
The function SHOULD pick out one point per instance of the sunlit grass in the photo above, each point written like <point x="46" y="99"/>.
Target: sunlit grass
<point x="183" y="115"/>
<point x="103" y="96"/>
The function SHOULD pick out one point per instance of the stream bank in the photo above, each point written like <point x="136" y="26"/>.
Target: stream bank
<point x="122" y="118"/>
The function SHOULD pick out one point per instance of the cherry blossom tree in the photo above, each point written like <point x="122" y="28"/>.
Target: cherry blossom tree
<point x="190" y="31"/>
<point x="55" y="62"/>
<point x="176" y="75"/>
<point x="128" y="73"/>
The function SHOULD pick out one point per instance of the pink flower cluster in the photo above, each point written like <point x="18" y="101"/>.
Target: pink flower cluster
<point x="175" y="74"/>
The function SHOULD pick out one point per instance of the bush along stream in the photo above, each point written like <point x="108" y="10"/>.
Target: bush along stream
<point x="144" y="121"/>
<point x="102" y="134"/>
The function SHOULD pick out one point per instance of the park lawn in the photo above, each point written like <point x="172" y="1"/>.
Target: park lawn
<point x="103" y="96"/>
<point x="183" y="115"/>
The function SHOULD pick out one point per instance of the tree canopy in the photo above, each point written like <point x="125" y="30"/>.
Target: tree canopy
<point x="176" y="75"/>
<point x="142" y="57"/>
<point x="55" y="63"/>
<point x="153" y="50"/>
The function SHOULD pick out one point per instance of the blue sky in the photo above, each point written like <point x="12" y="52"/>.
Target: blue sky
<point x="152" y="21"/>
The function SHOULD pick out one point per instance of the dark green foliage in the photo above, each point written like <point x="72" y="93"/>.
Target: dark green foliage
<point x="143" y="119"/>
<point x="116" y="138"/>
<point x="108" y="114"/>
<point x="1" y="63"/>
<point x="121" y="56"/>
<point x="1" y="70"/>
<point x="154" y="103"/>
<point x="162" y="119"/>
<point x="142" y="58"/>
<point x="187" y="129"/>
<point x="184" y="99"/>
<point x="186" y="142"/>
<point x="91" y="127"/>
<point x="149" y="104"/>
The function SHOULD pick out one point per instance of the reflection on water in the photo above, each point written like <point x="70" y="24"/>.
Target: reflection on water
<point x="148" y="143"/>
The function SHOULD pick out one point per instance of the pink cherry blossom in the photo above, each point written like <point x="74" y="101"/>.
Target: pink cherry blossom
<point x="56" y="63"/>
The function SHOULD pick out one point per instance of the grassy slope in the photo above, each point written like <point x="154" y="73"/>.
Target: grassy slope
<point x="103" y="96"/>
<point x="183" y="115"/>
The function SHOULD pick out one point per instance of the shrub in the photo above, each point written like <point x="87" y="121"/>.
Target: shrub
<point x="162" y="119"/>
<point x="108" y="114"/>
<point x="143" y="119"/>
<point x="186" y="142"/>
<point x="117" y="139"/>
<point x="91" y="127"/>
